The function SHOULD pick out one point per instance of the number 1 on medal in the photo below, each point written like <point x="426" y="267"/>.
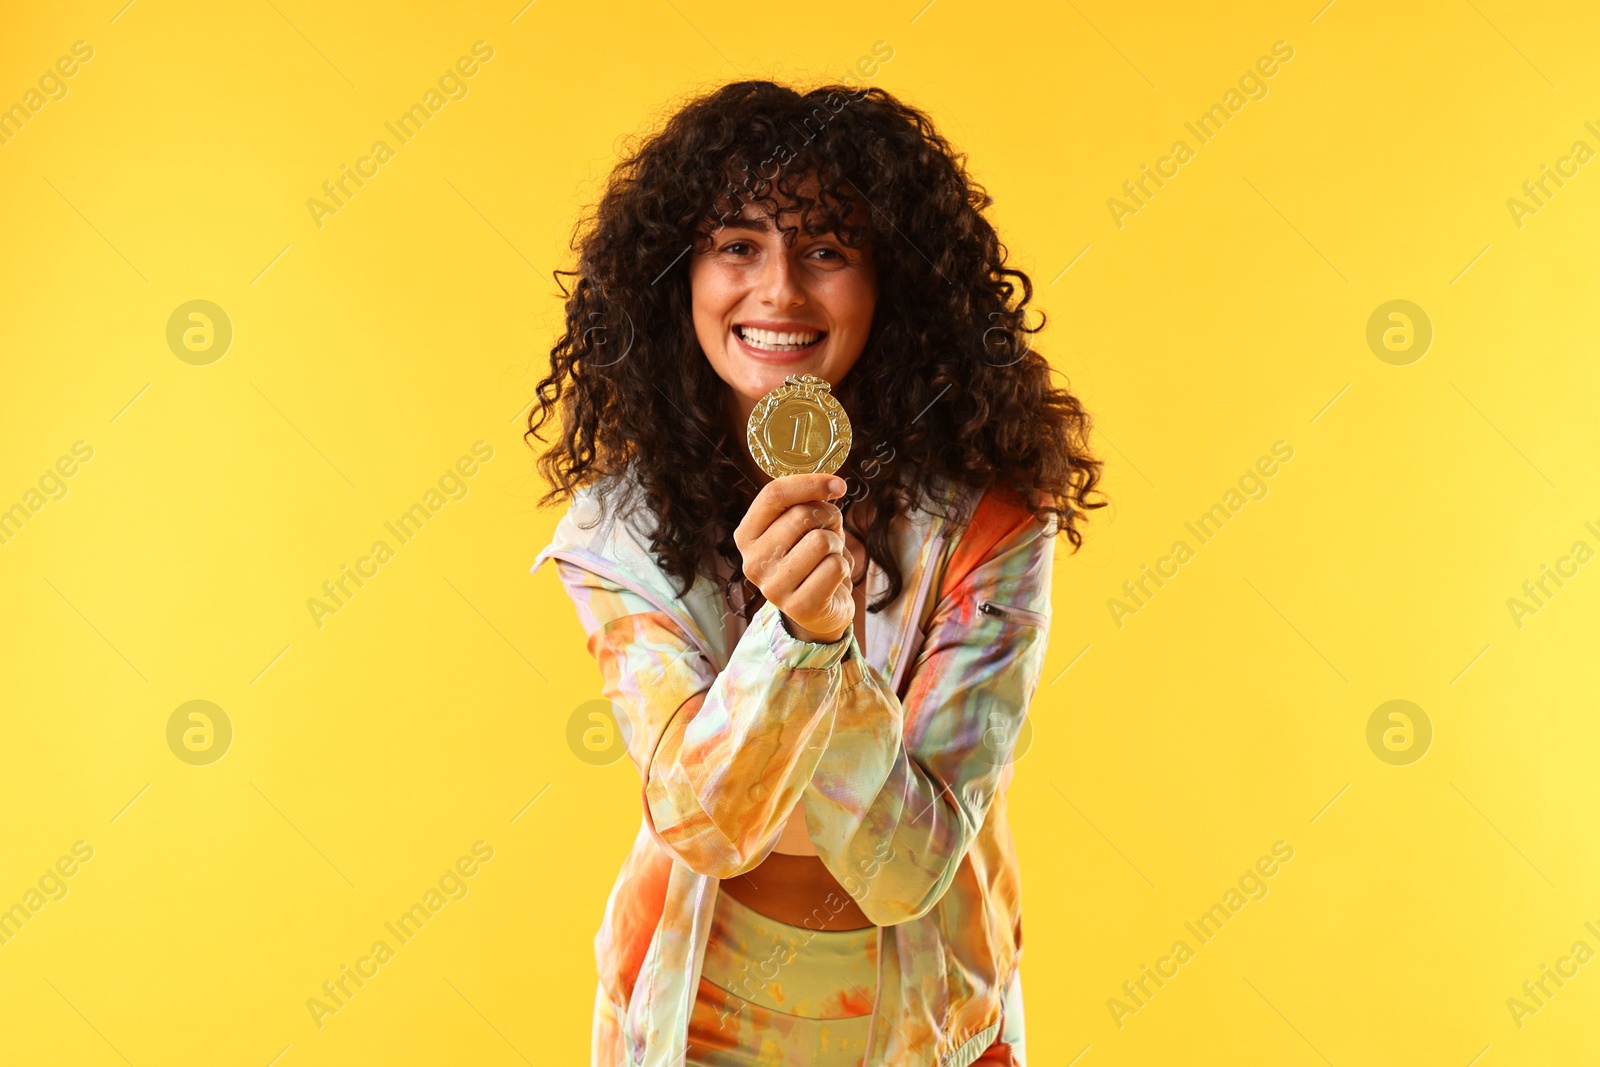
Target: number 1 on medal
<point x="794" y="446"/>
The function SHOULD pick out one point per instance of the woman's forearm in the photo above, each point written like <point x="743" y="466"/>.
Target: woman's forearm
<point x="734" y="760"/>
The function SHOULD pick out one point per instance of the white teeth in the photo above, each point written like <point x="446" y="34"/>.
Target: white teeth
<point x="776" y="342"/>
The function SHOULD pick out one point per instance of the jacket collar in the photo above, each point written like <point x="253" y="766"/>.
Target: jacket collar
<point x="605" y="531"/>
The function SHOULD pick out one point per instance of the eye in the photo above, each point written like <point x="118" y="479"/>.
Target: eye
<point x="832" y="252"/>
<point x="732" y="247"/>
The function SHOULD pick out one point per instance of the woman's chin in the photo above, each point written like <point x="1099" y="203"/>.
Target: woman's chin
<point x="761" y="379"/>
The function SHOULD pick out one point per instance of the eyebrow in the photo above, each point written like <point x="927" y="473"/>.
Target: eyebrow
<point x="761" y="225"/>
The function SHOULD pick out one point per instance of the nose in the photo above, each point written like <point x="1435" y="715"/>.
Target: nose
<point x="779" y="285"/>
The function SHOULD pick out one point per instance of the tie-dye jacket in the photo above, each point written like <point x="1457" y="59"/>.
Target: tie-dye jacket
<point x="901" y="752"/>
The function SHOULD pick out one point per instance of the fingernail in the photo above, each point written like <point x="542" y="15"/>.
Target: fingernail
<point x="835" y="485"/>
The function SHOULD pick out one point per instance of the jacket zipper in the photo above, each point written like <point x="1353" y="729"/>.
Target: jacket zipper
<point x="1001" y="611"/>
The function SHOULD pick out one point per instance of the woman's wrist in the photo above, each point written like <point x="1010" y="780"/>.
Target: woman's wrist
<point x="800" y="633"/>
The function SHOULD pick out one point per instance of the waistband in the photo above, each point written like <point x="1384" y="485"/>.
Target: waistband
<point x="815" y="974"/>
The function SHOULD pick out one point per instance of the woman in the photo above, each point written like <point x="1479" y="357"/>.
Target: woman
<point x="820" y="679"/>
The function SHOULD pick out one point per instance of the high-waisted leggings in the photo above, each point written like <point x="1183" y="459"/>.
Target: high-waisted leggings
<point x="771" y="993"/>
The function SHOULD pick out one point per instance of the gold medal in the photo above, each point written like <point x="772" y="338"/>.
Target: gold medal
<point x="799" y="428"/>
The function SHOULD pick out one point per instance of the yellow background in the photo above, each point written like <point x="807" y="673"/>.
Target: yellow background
<point x="1169" y="753"/>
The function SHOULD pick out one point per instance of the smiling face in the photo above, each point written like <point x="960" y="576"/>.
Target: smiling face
<point x="765" y="308"/>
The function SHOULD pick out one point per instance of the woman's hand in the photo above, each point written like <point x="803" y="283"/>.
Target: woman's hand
<point x="792" y="541"/>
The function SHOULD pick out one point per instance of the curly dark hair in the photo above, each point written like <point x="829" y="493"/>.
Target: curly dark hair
<point x="947" y="391"/>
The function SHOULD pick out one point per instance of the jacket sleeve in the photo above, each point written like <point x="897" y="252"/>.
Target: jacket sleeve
<point x="719" y="779"/>
<point x="896" y="800"/>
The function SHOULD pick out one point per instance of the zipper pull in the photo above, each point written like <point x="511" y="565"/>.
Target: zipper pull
<point x="1006" y="611"/>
